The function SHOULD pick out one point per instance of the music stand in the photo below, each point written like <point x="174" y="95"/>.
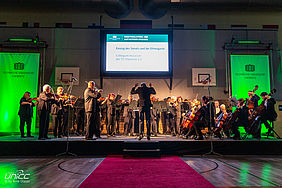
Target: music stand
<point x="67" y="153"/>
<point x="211" y="152"/>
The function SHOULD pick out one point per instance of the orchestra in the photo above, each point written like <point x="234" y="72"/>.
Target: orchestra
<point x="112" y="116"/>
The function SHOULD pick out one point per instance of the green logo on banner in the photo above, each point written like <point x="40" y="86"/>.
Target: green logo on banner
<point x="18" y="66"/>
<point x="250" y="68"/>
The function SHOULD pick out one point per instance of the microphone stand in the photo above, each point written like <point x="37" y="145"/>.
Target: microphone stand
<point x="211" y="152"/>
<point x="67" y="153"/>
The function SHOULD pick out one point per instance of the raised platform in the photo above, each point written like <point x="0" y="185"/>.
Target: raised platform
<point x="121" y="145"/>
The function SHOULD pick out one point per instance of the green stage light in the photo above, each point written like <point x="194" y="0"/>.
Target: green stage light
<point x="18" y="74"/>
<point x="20" y="40"/>
<point x="248" y="42"/>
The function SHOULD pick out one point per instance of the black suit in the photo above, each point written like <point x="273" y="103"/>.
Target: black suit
<point x="25" y="113"/>
<point x="44" y="108"/>
<point x="144" y="104"/>
<point x="92" y="113"/>
<point x="269" y="114"/>
<point x="57" y="112"/>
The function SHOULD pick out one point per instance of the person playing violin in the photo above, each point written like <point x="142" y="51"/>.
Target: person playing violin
<point x="45" y="100"/>
<point x="111" y="114"/>
<point x="57" y="112"/>
<point x="221" y="120"/>
<point x="26" y="113"/>
<point x="128" y="117"/>
<point x="92" y="111"/>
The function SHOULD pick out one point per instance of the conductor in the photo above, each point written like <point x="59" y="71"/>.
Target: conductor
<point x="144" y="104"/>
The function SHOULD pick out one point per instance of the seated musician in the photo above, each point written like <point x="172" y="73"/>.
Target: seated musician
<point x="241" y="120"/>
<point x="269" y="114"/>
<point x="217" y="108"/>
<point x="205" y="119"/>
<point x="253" y="100"/>
<point x="26" y="113"/>
<point x="221" y="120"/>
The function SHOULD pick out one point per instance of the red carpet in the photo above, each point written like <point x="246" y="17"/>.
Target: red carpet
<point x="116" y="171"/>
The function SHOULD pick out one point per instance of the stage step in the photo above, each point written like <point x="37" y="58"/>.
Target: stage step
<point x="141" y="149"/>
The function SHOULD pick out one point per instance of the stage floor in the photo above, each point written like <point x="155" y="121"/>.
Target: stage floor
<point x="127" y="138"/>
<point x="124" y="145"/>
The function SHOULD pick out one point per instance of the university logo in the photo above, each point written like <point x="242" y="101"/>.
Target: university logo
<point x="18" y="66"/>
<point x="250" y="68"/>
<point x="18" y="176"/>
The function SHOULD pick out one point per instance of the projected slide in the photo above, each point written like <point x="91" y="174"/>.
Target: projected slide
<point x="18" y="74"/>
<point x="137" y="52"/>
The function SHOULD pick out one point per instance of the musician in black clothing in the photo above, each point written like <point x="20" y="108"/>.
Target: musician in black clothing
<point x="91" y="96"/>
<point x="144" y="104"/>
<point x="253" y="98"/>
<point x="241" y="120"/>
<point x="206" y="117"/>
<point x="165" y="117"/>
<point x="118" y="114"/>
<point x="26" y="113"/>
<point x="111" y="114"/>
<point x="57" y="112"/>
<point x="45" y="101"/>
<point x="79" y="115"/>
<point x="155" y="116"/>
<point x="128" y="117"/>
<point x="172" y="116"/>
<point x="269" y="114"/>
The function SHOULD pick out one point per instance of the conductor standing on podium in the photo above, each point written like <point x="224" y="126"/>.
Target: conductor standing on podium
<point x="144" y="104"/>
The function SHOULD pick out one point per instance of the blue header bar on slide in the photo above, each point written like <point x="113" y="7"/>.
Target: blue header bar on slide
<point x="137" y="38"/>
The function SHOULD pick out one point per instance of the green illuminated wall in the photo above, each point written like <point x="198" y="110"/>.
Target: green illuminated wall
<point x="18" y="74"/>
<point x="248" y="71"/>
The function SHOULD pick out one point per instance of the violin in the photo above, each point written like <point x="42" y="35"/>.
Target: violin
<point x="221" y="120"/>
<point x="32" y="99"/>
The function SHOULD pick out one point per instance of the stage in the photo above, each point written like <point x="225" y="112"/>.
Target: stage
<point x="125" y="145"/>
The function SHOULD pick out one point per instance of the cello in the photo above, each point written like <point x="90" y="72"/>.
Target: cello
<point x="234" y="116"/>
<point x="257" y="112"/>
